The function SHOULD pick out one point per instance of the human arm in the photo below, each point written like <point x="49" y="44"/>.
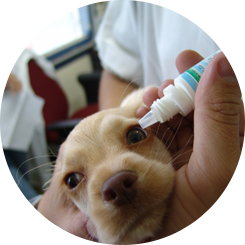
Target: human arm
<point x="120" y="59"/>
<point x="112" y="90"/>
<point x="218" y="136"/>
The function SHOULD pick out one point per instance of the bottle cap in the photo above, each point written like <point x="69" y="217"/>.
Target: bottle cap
<point x="147" y="120"/>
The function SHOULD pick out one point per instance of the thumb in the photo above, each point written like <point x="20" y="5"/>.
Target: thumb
<point x="216" y="125"/>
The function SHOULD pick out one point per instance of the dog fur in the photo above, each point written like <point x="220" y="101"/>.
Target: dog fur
<point x="97" y="149"/>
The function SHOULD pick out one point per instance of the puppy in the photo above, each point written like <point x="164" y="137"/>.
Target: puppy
<point x="116" y="173"/>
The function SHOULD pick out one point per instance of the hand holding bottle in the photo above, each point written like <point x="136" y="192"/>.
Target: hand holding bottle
<point x="218" y="127"/>
<point x="178" y="98"/>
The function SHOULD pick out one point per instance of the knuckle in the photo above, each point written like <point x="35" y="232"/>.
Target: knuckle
<point x="225" y="112"/>
<point x="227" y="108"/>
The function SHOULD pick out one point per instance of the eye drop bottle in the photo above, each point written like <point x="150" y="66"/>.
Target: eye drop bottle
<point x="178" y="98"/>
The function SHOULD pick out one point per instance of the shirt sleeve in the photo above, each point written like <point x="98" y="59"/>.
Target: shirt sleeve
<point x="117" y="42"/>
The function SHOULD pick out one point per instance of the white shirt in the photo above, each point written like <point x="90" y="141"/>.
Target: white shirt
<point x="140" y="41"/>
<point x="21" y="124"/>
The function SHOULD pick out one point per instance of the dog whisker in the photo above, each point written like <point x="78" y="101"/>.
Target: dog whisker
<point x="120" y="100"/>
<point x="45" y="184"/>
<point x="184" y="147"/>
<point x="28" y="160"/>
<point x="179" y="124"/>
<point x="42" y="165"/>
<point x="161" y="140"/>
<point x="154" y="140"/>
<point x="52" y="153"/>
<point x="179" y="154"/>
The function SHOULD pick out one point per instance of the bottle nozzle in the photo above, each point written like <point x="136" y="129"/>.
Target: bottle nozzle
<point x="147" y="120"/>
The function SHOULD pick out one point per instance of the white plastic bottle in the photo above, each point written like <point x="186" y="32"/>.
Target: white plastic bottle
<point x="178" y="98"/>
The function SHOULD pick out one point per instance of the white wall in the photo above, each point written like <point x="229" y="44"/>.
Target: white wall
<point x="67" y="76"/>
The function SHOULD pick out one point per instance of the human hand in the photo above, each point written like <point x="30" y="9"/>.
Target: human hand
<point x="202" y="175"/>
<point x="10" y="81"/>
<point x="178" y="133"/>
<point x="64" y="215"/>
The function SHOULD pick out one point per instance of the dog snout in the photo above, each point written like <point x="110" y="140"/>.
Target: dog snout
<point x="120" y="188"/>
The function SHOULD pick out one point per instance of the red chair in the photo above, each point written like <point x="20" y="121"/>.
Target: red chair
<point x="55" y="110"/>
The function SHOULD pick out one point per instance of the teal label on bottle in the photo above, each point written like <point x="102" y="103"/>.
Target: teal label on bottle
<point x="193" y="75"/>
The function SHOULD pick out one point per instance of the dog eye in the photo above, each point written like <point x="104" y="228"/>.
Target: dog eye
<point x="73" y="180"/>
<point x="135" y="135"/>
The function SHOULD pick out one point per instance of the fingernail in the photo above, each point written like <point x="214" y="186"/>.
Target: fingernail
<point x="225" y="70"/>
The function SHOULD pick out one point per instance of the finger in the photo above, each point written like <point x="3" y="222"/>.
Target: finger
<point x="187" y="59"/>
<point x="184" y="61"/>
<point x="141" y="112"/>
<point x="150" y="96"/>
<point x="216" y="126"/>
<point x="163" y="86"/>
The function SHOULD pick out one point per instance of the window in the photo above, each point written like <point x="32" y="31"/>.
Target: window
<point x="57" y="29"/>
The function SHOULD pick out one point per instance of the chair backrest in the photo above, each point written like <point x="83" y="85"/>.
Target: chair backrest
<point x="56" y="105"/>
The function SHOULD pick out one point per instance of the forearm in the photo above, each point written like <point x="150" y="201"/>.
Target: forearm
<point x="112" y="90"/>
<point x="8" y="233"/>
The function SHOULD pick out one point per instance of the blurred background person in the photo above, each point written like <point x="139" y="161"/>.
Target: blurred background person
<point x="138" y="43"/>
<point x="15" y="158"/>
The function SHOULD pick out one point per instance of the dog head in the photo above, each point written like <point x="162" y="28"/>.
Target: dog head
<point x="118" y="174"/>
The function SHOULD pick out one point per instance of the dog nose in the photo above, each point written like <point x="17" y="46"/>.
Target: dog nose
<point x="119" y="189"/>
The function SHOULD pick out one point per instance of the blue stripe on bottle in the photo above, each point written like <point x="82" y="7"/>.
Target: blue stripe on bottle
<point x="190" y="80"/>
